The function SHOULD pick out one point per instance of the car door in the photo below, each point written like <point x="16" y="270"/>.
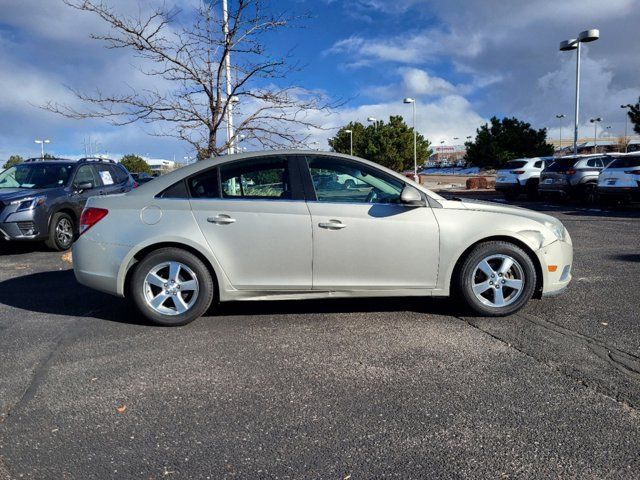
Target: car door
<point x="84" y="174"/>
<point x="363" y="236"/>
<point x="254" y="217"/>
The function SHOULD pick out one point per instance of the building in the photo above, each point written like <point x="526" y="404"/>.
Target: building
<point x="159" y="165"/>
<point x="603" y="144"/>
<point x="447" y="155"/>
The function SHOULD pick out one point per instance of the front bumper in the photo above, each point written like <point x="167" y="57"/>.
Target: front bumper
<point x="556" y="261"/>
<point x="30" y="224"/>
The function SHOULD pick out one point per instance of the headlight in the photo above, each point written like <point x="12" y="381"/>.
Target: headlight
<point x="558" y="230"/>
<point x="29" y="202"/>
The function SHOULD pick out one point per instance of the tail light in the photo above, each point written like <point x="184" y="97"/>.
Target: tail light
<point x="632" y="172"/>
<point x="517" y="172"/>
<point x="90" y="216"/>
<point x="136" y="184"/>
<point x="571" y="171"/>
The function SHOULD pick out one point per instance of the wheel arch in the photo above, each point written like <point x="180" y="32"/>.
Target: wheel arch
<point x="143" y="252"/>
<point x="501" y="238"/>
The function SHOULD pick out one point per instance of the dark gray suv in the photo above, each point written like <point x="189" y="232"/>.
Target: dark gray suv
<point x="573" y="176"/>
<point x="43" y="199"/>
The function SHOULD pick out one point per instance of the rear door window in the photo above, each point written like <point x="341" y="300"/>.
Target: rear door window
<point x="106" y="175"/>
<point x="86" y="174"/>
<point x="202" y="185"/>
<point x="259" y="179"/>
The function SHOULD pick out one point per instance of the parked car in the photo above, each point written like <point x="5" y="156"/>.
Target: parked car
<point x="43" y="199"/>
<point x="141" y="178"/>
<point x="521" y="176"/>
<point x="573" y="176"/>
<point x="178" y="243"/>
<point x="620" y="180"/>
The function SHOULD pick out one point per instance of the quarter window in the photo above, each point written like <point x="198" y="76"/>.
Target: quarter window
<point x="538" y="164"/>
<point x="263" y="178"/>
<point x="341" y="181"/>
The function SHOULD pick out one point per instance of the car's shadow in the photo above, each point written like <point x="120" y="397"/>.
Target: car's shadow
<point x="21" y="248"/>
<point x="58" y="293"/>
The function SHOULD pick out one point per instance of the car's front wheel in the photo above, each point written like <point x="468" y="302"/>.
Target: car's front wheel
<point x="61" y="232"/>
<point x="496" y="279"/>
<point x="172" y="287"/>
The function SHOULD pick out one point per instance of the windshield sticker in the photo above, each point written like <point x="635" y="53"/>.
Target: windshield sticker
<point x="106" y="178"/>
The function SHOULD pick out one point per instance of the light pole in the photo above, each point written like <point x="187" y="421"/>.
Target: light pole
<point x="595" y="122"/>
<point x="574" y="44"/>
<point x="560" y="116"/>
<point x="626" y="121"/>
<point x="227" y="71"/>
<point x="372" y="120"/>
<point x="42" y="142"/>
<point x="350" y="132"/>
<point x="412" y="101"/>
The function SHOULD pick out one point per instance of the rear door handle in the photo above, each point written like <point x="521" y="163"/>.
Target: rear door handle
<point x="332" y="225"/>
<point x="221" y="219"/>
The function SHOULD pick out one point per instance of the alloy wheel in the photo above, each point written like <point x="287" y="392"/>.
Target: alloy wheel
<point x="498" y="280"/>
<point x="64" y="232"/>
<point x="171" y="288"/>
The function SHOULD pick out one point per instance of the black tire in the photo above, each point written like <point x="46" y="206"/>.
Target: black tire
<point x="511" y="194"/>
<point x="466" y="276"/>
<point x="590" y="193"/>
<point x="532" y="189"/>
<point x="62" y="232"/>
<point x="138" y="287"/>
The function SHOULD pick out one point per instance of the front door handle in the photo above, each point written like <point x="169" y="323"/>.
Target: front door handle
<point x="221" y="219"/>
<point x="332" y="225"/>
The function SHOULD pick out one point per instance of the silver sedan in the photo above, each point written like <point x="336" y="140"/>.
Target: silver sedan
<point x="300" y="225"/>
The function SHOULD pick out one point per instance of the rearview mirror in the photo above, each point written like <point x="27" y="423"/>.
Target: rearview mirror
<point x="411" y="196"/>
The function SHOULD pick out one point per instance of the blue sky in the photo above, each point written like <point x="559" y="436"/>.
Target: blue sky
<point x="464" y="61"/>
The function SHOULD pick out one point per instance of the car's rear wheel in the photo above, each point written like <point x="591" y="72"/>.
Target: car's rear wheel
<point x="590" y="193"/>
<point x="61" y="232"/>
<point x="172" y="287"/>
<point x="532" y="189"/>
<point x="511" y="194"/>
<point x="496" y="279"/>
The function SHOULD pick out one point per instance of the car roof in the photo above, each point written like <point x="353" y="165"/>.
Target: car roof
<point x="168" y="179"/>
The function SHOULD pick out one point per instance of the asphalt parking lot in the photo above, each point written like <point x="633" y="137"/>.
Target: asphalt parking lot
<point x="399" y="388"/>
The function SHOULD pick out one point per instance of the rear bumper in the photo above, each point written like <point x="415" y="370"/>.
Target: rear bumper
<point x="554" y="189"/>
<point x="97" y="265"/>
<point x="620" y="192"/>
<point x="507" y="187"/>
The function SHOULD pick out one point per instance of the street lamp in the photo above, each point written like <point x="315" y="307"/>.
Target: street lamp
<point x="412" y="101"/>
<point x="626" y="121"/>
<point x="42" y="142"/>
<point x="469" y="137"/>
<point x="574" y="44"/>
<point x="595" y="122"/>
<point x="560" y="116"/>
<point x="350" y="132"/>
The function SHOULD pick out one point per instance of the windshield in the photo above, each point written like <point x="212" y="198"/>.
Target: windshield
<point x="562" y="164"/>
<point x="625" y="162"/>
<point x="35" y="176"/>
<point x="514" y="164"/>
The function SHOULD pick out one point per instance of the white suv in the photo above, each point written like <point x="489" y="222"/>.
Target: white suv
<point x="621" y="179"/>
<point x="521" y="176"/>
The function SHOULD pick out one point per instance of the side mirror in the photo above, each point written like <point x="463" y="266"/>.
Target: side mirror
<point x="81" y="187"/>
<point x="411" y="196"/>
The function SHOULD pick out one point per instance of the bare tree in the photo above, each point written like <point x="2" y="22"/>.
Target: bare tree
<point x="188" y="56"/>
